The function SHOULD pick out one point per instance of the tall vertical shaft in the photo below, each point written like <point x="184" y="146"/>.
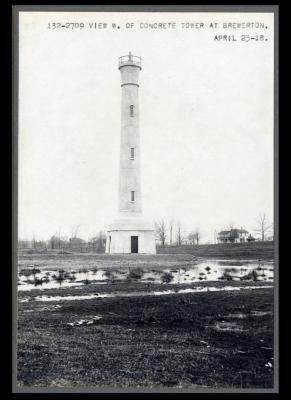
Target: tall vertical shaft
<point x="130" y="232"/>
<point x="129" y="172"/>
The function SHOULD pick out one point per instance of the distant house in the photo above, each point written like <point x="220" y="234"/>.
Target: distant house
<point x="232" y="236"/>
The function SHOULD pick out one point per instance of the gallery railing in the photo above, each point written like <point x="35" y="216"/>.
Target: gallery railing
<point x="129" y="59"/>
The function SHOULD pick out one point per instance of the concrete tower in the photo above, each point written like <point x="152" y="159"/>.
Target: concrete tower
<point x="130" y="233"/>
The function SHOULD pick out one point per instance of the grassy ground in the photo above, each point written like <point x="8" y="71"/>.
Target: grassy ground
<point x="252" y="250"/>
<point x="215" y="339"/>
<point x="166" y="258"/>
<point x="56" y="260"/>
<point x="207" y="339"/>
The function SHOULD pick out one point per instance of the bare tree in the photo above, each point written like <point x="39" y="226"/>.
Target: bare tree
<point x="53" y="242"/>
<point x="161" y="231"/>
<point x="197" y="235"/>
<point x="74" y="232"/>
<point x="192" y="238"/>
<point x="33" y="241"/>
<point x="59" y="238"/>
<point x="263" y="226"/>
<point x="101" y="241"/>
<point x="179" y="234"/>
<point x="171" y="225"/>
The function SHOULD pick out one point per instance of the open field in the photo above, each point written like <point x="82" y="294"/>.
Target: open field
<point x="144" y="333"/>
<point x="219" y="339"/>
<point x="166" y="258"/>
<point x="248" y="250"/>
<point x="57" y="260"/>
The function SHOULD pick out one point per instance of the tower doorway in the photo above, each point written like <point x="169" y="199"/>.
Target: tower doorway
<point x="134" y="244"/>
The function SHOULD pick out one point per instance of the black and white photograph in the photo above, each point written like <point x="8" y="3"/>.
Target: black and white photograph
<point x="146" y="230"/>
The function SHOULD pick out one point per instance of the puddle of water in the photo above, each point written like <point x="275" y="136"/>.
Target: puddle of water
<point x="46" y="308"/>
<point x="65" y="298"/>
<point x="48" y="285"/>
<point x="135" y="294"/>
<point x="210" y="289"/>
<point x="85" y="321"/>
<point x="260" y="313"/>
<point x="50" y="308"/>
<point x="236" y="315"/>
<point x="228" y="326"/>
<point x="209" y="270"/>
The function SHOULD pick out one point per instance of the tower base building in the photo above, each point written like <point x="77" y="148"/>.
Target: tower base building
<point x="127" y="236"/>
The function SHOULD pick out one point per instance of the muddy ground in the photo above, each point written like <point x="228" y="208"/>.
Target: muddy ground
<point x="210" y="339"/>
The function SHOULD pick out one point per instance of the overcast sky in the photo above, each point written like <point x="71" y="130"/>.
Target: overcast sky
<point x="206" y="122"/>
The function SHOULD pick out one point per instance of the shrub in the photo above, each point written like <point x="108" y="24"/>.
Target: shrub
<point x="135" y="273"/>
<point x="107" y="273"/>
<point x="61" y="275"/>
<point x="167" y="277"/>
<point x="25" y="272"/>
<point x="246" y="278"/>
<point x="29" y="272"/>
<point x="252" y="275"/>
<point x="37" y="281"/>
<point x="35" y="271"/>
<point x="226" y="276"/>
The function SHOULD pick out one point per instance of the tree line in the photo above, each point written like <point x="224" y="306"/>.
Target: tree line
<point x="171" y="233"/>
<point x="167" y="233"/>
<point x="74" y="243"/>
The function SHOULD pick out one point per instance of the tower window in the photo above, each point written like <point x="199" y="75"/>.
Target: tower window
<point x="132" y="195"/>
<point x="131" y="107"/>
<point x="132" y="153"/>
